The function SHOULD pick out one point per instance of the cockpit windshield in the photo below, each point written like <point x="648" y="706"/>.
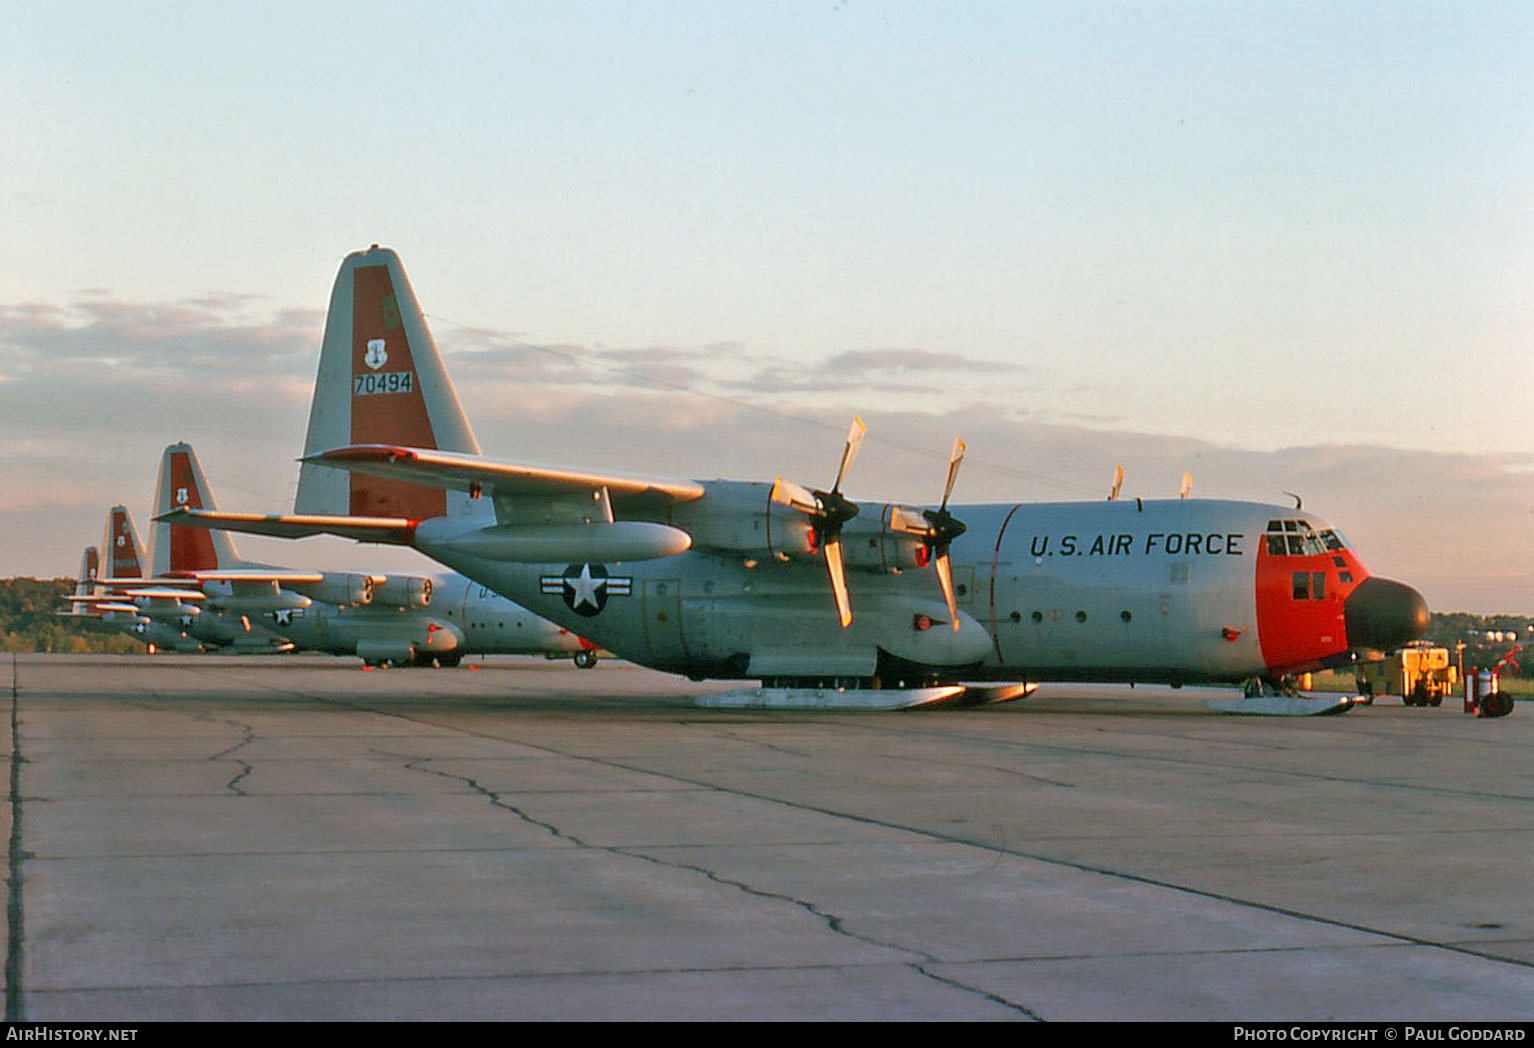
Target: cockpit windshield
<point x="1299" y="538"/>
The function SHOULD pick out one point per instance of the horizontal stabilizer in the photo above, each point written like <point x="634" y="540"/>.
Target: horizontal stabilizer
<point x="397" y="531"/>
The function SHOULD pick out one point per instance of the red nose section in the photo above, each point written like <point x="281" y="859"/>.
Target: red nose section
<point x="1316" y="602"/>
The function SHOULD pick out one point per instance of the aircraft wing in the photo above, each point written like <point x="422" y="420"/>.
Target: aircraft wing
<point x="390" y="530"/>
<point x="239" y="575"/>
<point x="164" y="593"/>
<point x="119" y="593"/>
<point x="476" y="475"/>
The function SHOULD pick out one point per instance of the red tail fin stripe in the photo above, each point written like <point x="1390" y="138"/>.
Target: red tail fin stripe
<point x="191" y="549"/>
<point x="381" y="345"/>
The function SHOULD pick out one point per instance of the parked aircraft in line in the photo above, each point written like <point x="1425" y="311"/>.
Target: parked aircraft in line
<point x="165" y="615"/>
<point x="807" y="590"/>
<point x="202" y="591"/>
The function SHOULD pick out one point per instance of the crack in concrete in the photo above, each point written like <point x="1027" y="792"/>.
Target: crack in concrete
<point x="247" y="736"/>
<point x="417" y="764"/>
<point x="245" y="766"/>
<point x="994" y="998"/>
<point x="831" y="921"/>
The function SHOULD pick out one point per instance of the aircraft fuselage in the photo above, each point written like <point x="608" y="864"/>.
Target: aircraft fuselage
<point x="1168" y="590"/>
<point x="463" y="618"/>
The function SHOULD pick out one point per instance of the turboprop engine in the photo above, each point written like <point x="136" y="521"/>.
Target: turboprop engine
<point x="403" y="591"/>
<point x="340" y="588"/>
<point x="743" y="518"/>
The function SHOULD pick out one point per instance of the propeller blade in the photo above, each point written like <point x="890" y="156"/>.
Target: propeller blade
<point x="850" y="450"/>
<point x="833" y="550"/>
<point x="908" y="522"/>
<point x="954" y="461"/>
<point x="1118" y="483"/>
<point x="945" y="579"/>
<point x="828" y="511"/>
<point x="795" y="496"/>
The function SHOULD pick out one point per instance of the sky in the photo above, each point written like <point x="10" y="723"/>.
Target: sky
<point x="1286" y="247"/>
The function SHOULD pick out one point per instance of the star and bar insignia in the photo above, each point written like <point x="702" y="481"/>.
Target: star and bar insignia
<point x="586" y="587"/>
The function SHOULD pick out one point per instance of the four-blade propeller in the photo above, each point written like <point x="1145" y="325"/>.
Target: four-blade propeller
<point x="828" y="511"/>
<point x="937" y="530"/>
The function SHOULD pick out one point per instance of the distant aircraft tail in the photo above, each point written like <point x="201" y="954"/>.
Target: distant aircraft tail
<point x="125" y="554"/>
<point x="381" y="381"/>
<point x="86" y="586"/>
<point x="177" y="548"/>
<point x="90" y="571"/>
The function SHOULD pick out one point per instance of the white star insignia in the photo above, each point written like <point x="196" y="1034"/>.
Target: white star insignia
<point x="584" y="589"/>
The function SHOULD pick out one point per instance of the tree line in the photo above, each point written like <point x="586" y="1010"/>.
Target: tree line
<point x="29" y="621"/>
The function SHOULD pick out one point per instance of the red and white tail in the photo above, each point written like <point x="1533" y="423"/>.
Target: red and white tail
<point x="87" y="589"/>
<point x="381" y="381"/>
<point x="125" y="555"/>
<point x="86" y="585"/>
<point x="90" y="571"/>
<point x="178" y="549"/>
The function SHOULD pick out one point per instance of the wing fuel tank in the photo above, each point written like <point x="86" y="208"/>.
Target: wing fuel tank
<point x="596" y="542"/>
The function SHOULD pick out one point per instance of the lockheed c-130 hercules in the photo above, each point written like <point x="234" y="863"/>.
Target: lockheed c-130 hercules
<point x="825" y="600"/>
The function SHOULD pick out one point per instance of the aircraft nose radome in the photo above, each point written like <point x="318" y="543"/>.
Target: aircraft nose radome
<point x="1384" y="614"/>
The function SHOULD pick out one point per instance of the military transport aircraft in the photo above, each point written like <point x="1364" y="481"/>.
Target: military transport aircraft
<point x="202" y="589"/>
<point x="166" y="615"/>
<point x="806" y="590"/>
<point x="91" y="600"/>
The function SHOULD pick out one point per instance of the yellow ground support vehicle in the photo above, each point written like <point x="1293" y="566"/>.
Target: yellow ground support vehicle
<point x="1420" y="673"/>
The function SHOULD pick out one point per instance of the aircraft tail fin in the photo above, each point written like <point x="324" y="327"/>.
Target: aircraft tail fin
<point x="90" y="571"/>
<point x="86" y="587"/>
<point x="176" y="548"/>
<point x="381" y="381"/>
<point x="125" y="554"/>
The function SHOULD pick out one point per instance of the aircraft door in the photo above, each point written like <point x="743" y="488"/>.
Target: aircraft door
<point x="663" y="619"/>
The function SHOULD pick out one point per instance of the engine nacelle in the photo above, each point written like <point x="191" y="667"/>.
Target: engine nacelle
<point x="742" y="519"/>
<point x="873" y="544"/>
<point x="341" y="588"/>
<point x="739" y="517"/>
<point x="403" y="591"/>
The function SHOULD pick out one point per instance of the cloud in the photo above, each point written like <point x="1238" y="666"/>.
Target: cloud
<point x="884" y="360"/>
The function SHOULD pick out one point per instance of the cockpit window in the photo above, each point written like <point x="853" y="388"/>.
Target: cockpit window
<point x="1297" y="538"/>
